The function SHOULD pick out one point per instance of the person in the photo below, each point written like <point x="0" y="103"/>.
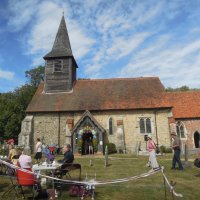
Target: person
<point x="176" y="145"/>
<point x="13" y="155"/>
<point x="151" y="147"/>
<point x="10" y="144"/>
<point x="24" y="178"/>
<point x="25" y="160"/>
<point x="38" y="149"/>
<point x="68" y="155"/>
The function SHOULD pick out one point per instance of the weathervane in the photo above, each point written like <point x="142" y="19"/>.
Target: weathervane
<point x="63" y="12"/>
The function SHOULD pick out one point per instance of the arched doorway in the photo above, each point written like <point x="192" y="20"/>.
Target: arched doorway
<point x="88" y="134"/>
<point x="197" y="139"/>
<point x="87" y="143"/>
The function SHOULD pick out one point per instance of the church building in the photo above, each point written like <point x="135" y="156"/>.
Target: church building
<point x="96" y="112"/>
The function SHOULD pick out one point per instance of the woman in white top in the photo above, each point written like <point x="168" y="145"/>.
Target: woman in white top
<point x="38" y="149"/>
<point x="25" y="160"/>
<point x="151" y="147"/>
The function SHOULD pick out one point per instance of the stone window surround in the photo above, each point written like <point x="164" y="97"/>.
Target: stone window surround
<point x="185" y="131"/>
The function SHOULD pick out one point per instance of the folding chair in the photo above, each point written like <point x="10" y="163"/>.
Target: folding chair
<point x="25" y="179"/>
<point x="12" y="176"/>
<point x="65" y="168"/>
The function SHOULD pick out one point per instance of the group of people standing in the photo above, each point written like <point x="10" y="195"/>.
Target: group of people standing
<point x="25" y="159"/>
<point x="176" y="146"/>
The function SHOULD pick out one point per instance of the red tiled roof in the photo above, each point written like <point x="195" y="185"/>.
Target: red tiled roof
<point x="103" y="94"/>
<point x="185" y="104"/>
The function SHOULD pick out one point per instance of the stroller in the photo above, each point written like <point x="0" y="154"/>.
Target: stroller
<point x="47" y="154"/>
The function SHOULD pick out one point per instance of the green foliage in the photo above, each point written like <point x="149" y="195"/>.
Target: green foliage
<point x="13" y="104"/>
<point x="3" y="152"/>
<point x="80" y="143"/>
<point x="35" y="75"/>
<point x="168" y="150"/>
<point x="181" y="89"/>
<point x="111" y="148"/>
<point x="95" y="145"/>
<point x="164" y="149"/>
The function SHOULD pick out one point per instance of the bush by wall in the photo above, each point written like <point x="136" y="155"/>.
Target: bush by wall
<point x="164" y="149"/>
<point x="111" y="148"/>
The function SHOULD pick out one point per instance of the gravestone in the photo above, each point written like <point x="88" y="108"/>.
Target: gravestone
<point x="106" y="156"/>
<point x="120" y="140"/>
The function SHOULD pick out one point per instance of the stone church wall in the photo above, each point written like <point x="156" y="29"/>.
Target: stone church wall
<point x="126" y="133"/>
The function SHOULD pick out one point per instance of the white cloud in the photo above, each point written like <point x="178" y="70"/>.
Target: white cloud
<point x="21" y="13"/>
<point x="94" y="69"/>
<point x="172" y="64"/>
<point x="43" y="32"/>
<point x="142" y="34"/>
<point x="6" y="75"/>
<point x="79" y="41"/>
<point x="123" y="46"/>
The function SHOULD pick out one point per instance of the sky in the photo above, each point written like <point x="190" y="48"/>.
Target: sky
<point x="109" y="38"/>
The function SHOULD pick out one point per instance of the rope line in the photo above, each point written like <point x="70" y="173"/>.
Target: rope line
<point x="94" y="182"/>
<point x="170" y="186"/>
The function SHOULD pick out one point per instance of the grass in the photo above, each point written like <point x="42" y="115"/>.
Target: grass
<point x="187" y="181"/>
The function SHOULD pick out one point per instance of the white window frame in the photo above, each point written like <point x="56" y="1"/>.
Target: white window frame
<point x="184" y="130"/>
<point x="61" y="65"/>
<point x="145" y="132"/>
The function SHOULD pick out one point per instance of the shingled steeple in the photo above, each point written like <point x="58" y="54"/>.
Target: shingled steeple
<point x="60" y="69"/>
<point x="61" y="46"/>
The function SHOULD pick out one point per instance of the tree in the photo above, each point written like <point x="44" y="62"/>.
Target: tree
<point x="182" y="88"/>
<point x="35" y="75"/>
<point x="13" y="104"/>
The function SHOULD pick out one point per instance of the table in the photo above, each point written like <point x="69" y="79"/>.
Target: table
<point x="45" y="166"/>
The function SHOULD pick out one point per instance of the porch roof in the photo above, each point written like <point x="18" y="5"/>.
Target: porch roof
<point x="87" y="113"/>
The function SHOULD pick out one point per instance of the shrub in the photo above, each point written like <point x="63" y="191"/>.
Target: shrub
<point x="165" y="149"/>
<point x="162" y="149"/>
<point x="111" y="148"/>
<point x="95" y="145"/>
<point x="168" y="150"/>
<point x="80" y="143"/>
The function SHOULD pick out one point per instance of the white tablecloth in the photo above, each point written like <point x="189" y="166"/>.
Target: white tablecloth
<point x="40" y="167"/>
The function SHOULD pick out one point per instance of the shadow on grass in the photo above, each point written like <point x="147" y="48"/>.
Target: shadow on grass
<point x="4" y="186"/>
<point x="108" y="165"/>
<point x="197" y="175"/>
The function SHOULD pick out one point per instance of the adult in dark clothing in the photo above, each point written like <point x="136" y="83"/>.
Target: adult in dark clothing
<point x="176" y="145"/>
<point x="68" y="155"/>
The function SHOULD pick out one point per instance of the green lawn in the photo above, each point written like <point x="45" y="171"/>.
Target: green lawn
<point x="187" y="181"/>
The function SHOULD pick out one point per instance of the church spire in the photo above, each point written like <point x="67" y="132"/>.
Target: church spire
<point x="61" y="46"/>
<point x="60" y="65"/>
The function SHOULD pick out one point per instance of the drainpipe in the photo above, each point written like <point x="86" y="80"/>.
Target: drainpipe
<point x="156" y="128"/>
<point x="124" y="138"/>
<point x="59" y="129"/>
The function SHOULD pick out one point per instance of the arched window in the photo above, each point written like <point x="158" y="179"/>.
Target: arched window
<point x="145" y="125"/>
<point x="180" y="130"/>
<point x="142" y="126"/>
<point x="197" y="139"/>
<point x="110" y="126"/>
<point x="148" y="125"/>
